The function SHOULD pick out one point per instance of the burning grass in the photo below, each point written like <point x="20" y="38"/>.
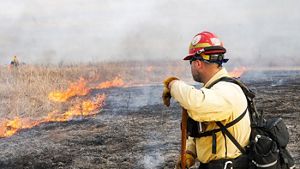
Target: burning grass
<point x="33" y="94"/>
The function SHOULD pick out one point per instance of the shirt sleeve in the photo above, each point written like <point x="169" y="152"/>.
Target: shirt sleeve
<point x="204" y="104"/>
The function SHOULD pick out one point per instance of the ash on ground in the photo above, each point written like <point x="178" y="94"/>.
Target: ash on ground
<point x="134" y="130"/>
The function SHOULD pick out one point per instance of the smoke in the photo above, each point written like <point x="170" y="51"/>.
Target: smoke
<point x="153" y="160"/>
<point x="255" y="32"/>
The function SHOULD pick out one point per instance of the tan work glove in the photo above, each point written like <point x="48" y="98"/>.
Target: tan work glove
<point x="190" y="161"/>
<point x="166" y="95"/>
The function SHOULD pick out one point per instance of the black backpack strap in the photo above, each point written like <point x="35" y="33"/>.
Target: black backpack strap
<point x="233" y="122"/>
<point x="230" y="136"/>
<point x="213" y="132"/>
<point x="254" y="115"/>
<point x="249" y="96"/>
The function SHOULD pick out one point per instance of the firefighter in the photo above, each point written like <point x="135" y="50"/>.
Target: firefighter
<point x="14" y="62"/>
<point x="223" y="102"/>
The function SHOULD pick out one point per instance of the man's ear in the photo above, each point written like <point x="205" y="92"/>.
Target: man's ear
<point x="199" y="64"/>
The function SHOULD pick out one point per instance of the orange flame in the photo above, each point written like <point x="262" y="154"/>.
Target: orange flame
<point x="8" y="127"/>
<point x="117" y="82"/>
<point x="75" y="89"/>
<point x="85" y="108"/>
<point x="237" y="72"/>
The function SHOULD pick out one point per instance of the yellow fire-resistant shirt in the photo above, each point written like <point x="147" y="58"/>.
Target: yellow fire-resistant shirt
<point x="223" y="102"/>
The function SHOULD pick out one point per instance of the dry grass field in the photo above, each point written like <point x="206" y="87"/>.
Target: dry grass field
<point x="131" y="130"/>
<point x="24" y="91"/>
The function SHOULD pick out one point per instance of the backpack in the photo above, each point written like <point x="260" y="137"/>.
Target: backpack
<point x="268" y="138"/>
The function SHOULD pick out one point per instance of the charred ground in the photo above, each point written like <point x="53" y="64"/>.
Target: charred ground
<point x="134" y="130"/>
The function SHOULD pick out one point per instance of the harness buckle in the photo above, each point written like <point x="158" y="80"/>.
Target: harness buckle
<point x="228" y="163"/>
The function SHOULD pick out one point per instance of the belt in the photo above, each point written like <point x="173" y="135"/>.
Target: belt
<point x="240" y="162"/>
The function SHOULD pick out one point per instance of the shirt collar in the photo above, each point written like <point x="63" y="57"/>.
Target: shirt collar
<point x="221" y="73"/>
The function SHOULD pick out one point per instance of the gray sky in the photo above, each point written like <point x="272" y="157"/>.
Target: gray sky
<point x="256" y="32"/>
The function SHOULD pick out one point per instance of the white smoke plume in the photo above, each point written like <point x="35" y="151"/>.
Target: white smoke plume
<point x="77" y="31"/>
<point x="153" y="160"/>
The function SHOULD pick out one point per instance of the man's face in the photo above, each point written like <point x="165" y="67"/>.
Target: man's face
<point x="195" y="65"/>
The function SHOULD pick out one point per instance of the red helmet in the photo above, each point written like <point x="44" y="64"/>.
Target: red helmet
<point x="207" y="46"/>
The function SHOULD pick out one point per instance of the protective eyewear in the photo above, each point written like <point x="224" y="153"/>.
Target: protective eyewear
<point x="214" y="58"/>
<point x="197" y="57"/>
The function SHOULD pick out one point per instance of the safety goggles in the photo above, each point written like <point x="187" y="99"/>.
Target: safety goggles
<point x="195" y="58"/>
<point x="214" y="58"/>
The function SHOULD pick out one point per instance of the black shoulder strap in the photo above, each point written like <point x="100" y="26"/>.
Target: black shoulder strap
<point x="233" y="122"/>
<point x="249" y="95"/>
<point x="230" y="136"/>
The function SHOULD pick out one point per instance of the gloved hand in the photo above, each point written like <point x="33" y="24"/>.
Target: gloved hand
<point x="166" y="95"/>
<point x="190" y="161"/>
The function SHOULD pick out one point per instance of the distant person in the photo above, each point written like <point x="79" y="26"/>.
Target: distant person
<point x="14" y="62"/>
<point x="222" y="102"/>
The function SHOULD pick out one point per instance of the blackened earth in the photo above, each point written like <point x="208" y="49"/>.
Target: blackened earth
<point x="134" y="130"/>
